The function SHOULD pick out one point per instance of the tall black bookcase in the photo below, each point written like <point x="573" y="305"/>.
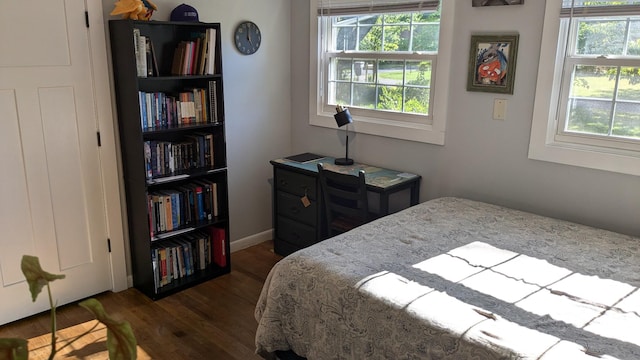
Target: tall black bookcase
<point x="172" y="139"/>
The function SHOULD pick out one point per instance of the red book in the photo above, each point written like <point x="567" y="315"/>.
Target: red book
<point x="218" y="237"/>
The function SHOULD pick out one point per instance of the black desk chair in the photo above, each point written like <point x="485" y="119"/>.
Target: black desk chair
<point x="345" y="200"/>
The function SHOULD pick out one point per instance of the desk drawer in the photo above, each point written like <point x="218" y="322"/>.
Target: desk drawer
<point x="290" y="206"/>
<point x="295" y="233"/>
<point x="296" y="183"/>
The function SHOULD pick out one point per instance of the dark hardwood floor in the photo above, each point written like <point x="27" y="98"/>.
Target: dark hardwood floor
<point x="213" y="320"/>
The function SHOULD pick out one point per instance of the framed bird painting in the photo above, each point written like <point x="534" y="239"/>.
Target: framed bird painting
<point x="492" y="63"/>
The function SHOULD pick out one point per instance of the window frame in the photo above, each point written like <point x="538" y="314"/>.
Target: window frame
<point x="384" y="123"/>
<point x="548" y="140"/>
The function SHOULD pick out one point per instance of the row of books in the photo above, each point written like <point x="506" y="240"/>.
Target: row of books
<point x="195" y="56"/>
<point x="186" y="254"/>
<point x="165" y="158"/>
<point x="159" y="110"/>
<point x="186" y="205"/>
<point x="146" y="64"/>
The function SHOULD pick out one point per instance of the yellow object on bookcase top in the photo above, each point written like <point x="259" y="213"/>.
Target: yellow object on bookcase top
<point x="134" y="9"/>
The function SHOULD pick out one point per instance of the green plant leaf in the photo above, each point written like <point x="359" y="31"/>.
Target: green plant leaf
<point x="14" y="349"/>
<point x="36" y="277"/>
<point x="121" y="342"/>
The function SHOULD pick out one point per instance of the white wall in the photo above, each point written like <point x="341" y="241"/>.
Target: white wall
<point x="482" y="159"/>
<point x="257" y="102"/>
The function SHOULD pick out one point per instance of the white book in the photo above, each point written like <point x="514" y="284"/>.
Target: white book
<point x="211" y="55"/>
<point x="141" y="56"/>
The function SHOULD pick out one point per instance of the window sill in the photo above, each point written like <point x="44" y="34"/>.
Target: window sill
<point x="396" y="129"/>
<point x="547" y="149"/>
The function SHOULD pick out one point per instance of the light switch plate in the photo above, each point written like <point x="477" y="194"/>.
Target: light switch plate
<point x="499" y="109"/>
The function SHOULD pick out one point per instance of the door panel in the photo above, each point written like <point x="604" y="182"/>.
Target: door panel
<point x="15" y="215"/>
<point x="48" y="46"/>
<point x="48" y="131"/>
<point x="62" y="149"/>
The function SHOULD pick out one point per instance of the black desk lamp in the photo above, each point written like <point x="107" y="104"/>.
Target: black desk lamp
<point x="343" y="117"/>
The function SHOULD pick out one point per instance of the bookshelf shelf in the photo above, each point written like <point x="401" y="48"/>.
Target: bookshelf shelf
<point x="169" y="91"/>
<point x="179" y="78"/>
<point x="176" y="128"/>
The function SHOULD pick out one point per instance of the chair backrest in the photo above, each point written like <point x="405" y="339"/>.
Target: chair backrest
<point x="345" y="200"/>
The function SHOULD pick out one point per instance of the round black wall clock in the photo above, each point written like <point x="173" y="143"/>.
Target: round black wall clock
<point x="247" y="37"/>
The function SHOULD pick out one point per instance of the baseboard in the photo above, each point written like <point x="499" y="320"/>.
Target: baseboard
<point x="251" y="240"/>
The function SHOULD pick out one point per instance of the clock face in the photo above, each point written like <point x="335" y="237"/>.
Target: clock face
<point x="247" y="38"/>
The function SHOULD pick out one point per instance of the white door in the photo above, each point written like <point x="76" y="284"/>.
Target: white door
<point x="52" y="203"/>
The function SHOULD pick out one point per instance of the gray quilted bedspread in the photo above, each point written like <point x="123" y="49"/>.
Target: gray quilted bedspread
<point x="457" y="279"/>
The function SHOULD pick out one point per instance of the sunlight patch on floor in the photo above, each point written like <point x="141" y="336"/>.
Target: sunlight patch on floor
<point x="89" y="347"/>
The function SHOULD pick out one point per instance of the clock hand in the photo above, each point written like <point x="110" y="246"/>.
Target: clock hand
<point x="249" y="38"/>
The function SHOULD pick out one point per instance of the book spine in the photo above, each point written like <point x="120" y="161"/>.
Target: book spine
<point x="174" y="210"/>
<point x="214" y="196"/>
<point x="219" y="246"/>
<point x="142" y="49"/>
<point x="163" y="266"/>
<point x="213" y="110"/>
<point x="200" y="203"/>
<point x="156" y="269"/>
<point x="211" y="55"/>
<point x="148" y="57"/>
<point x="147" y="160"/>
<point x="142" y="99"/>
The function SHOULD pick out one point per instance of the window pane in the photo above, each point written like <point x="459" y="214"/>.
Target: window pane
<point x="425" y="37"/>
<point x="391" y="72"/>
<point x="589" y="116"/>
<point x="601" y="37"/>
<point x="364" y="70"/>
<point x="404" y="18"/>
<point x="390" y="98"/>
<point x="418" y="73"/>
<point x="345" y="38"/>
<point x="341" y="70"/>
<point x="626" y="121"/>
<point x="629" y="84"/>
<point x="593" y="82"/>
<point x="371" y="38"/>
<point x="370" y="19"/>
<point x="341" y="93"/>
<point x="396" y="38"/>
<point x="364" y="96"/>
<point x="417" y="100"/>
<point x="634" y="38"/>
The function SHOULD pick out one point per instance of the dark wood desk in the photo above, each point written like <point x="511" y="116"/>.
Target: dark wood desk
<point x="297" y="226"/>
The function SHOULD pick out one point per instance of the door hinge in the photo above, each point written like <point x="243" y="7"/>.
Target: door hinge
<point x="86" y="18"/>
<point x="99" y="140"/>
<point x="109" y="244"/>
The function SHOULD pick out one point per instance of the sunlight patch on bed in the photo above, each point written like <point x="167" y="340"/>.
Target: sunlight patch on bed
<point x="393" y="289"/>
<point x="604" y="307"/>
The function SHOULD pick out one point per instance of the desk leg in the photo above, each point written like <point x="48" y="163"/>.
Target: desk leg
<point x="415" y="193"/>
<point x="384" y="204"/>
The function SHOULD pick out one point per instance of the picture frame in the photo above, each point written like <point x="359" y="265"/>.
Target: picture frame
<point x="478" y="3"/>
<point x="492" y="63"/>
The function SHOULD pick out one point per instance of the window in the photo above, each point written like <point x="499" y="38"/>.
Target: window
<point x="382" y="62"/>
<point x="587" y="110"/>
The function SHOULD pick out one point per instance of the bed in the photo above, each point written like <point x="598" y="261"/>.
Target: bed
<point x="453" y="278"/>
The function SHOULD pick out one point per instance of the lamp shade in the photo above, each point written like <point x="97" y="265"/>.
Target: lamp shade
<point x="343" y="118"/>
